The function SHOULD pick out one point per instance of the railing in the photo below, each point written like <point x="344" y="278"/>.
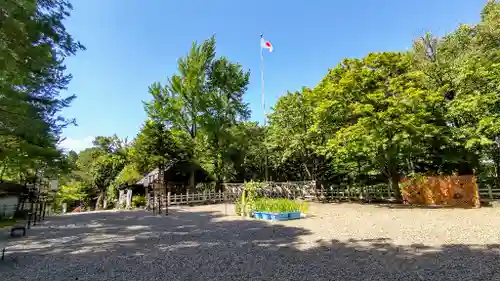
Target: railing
<point x="489" y="192"/>
<point x="35" y="212"/>
<point x="309" y="191"/>
<point x="7" y="210"/>
<point x="192" y="198"/>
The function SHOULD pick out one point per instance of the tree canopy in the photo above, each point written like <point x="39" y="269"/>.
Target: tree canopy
<point x="33" y="46"/>
<point x="433" y="109"/>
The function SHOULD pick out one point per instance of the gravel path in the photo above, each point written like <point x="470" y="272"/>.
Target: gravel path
<point x="338" y="242"/>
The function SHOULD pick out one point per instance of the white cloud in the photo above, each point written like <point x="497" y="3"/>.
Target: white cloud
<point x="76" y="144"/>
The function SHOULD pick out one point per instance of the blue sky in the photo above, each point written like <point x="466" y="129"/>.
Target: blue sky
<point x="131" y="44"/>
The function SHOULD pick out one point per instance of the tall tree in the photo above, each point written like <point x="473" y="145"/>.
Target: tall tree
<point x="33" y="46"/>
<point x="182" y="102"/>
<point x="290" y="134"/>
<point x="227" y="83"/>
<point x="155" y="147"/>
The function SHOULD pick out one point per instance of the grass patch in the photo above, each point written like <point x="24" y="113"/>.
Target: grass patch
<point x="279" y="205"/>
<point x="7" y="223"/>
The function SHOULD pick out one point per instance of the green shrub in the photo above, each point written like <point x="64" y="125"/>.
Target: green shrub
<point x="279" y="205"/>
<point x="110" y="205"/>
<point x="138" y="201"/>
<point x="238" y="208"/>
<point x="246" y="203"/>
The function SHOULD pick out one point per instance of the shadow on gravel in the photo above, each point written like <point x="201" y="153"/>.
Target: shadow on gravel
<point x="207" y="246"/>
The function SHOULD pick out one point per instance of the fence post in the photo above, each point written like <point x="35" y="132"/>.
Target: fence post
<point x="225" y="202"/>
<point x="42" y="210"/>
<point x="159" y="204"/>
<point x="187" y="196"/>
<point x="168" y="198"/>
<point x="35" y="213"/>
<point x="153" y="203"/>
<point x="490" y="191"/>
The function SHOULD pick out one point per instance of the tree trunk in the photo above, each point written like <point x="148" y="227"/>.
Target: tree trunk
<point x="100" y="200"/>
<point x="308" y="172"/>
<point x="394" y="181"/>
<point x="4" y="167"/>
<point x="192" y="184"/>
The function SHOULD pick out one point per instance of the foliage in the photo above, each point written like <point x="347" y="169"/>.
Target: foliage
<point x="128" y="175"/>
<point x="180" y="103"/>
<point x="202" y="103"/>
<point x="279" y="205"/>
<point x="155" y="147"/>
<point x="385" y="116"/>
<point x="246" y="202"/>
<point x="33" y="46"/>
<point x="71" y="191"/>
<point x="227" y="83"/>
<point x="138" y="201"/>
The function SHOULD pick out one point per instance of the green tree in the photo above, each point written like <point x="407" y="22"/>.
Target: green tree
<point x="33" y="46"/>
<point x="181" y="102"/>
<point x="380" y="112"/>
<point x="224" y="108"/>
<point x="291" y="136"/>
<point x="463" y="66"/>
<point x="246" y="160"/>
<point x="155" y="147"/>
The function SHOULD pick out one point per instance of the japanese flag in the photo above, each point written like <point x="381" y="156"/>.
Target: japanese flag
<point x="265" y="44"/>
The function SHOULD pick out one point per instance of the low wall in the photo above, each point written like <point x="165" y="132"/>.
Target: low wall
<point x="8" y="206"/>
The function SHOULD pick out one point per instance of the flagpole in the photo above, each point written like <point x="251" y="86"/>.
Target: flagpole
<point x="263" y="106"/>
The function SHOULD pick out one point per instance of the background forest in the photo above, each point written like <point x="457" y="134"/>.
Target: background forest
<point x="431" y="110"/>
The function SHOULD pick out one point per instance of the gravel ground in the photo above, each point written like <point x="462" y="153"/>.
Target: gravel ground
<point x="336" y="242"/>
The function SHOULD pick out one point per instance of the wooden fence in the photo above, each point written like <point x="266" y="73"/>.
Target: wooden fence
<point x="309" y="191"/>
<point x="489" y="192"/>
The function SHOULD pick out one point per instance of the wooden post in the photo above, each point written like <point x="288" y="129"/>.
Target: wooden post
<point x="44" y="209"/>
<point x="167" y="194"/>
<point x="168" y="198"/>
<point x="153" y="202"/>
<point x="35" y="213"/>
<point x="41" y="211"/>
<point x="165" y="203"/>
<point x="159" y="204"/>
<point x="187" y="196"/>
<point x="490" y="192"/>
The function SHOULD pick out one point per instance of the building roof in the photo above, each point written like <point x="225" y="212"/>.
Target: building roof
<point x="177" y="172"/>
<point x="12" y="189"/>
<point x="149" y="178"/>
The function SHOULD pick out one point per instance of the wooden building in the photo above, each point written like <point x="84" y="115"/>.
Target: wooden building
<point x="173" y="180"/>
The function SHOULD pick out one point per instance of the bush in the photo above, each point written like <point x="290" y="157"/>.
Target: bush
<point x="246" y="202"/>
<point x="138" y="201"/>
<point x="110" y="205"/>
<point x="238" y="208"/>
<point x="279" y="205"/>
